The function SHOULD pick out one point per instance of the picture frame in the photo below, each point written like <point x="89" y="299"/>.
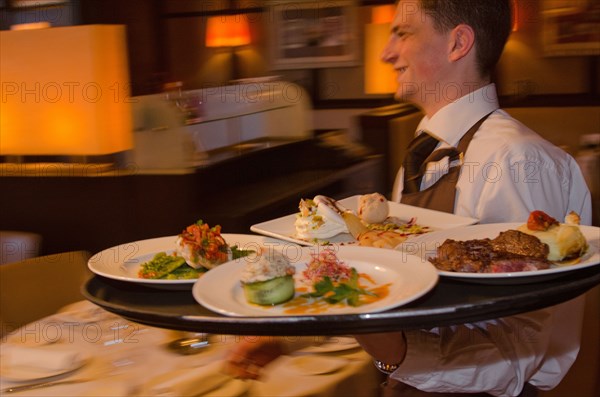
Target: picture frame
<point x="35" y="3"/>
<point x="571" y="28"/>
<point x="314" y="34"/>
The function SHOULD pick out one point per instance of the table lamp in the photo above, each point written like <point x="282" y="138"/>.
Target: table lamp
<point x="380" y="77"/>
<point x="228" y="31"/>
<point x="65" y="92"/>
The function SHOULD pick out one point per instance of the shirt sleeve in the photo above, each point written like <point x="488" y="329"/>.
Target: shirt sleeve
<point x="497" y="356"/>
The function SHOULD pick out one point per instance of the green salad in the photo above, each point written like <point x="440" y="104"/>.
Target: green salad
<point x="165" y="266"/>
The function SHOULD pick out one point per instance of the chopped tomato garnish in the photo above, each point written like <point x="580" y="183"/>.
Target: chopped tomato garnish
<point x="206" y="240"/>
<point x="539" y="220"/>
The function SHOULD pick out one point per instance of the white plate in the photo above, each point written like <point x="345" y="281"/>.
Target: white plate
<point x="410" y="277"/>
<point x="123" y="262"/>
<point x="231" y="388"/>
<point x="283" y="228"/>
<point x="27" y="374"/>
<point x="205" y="380"/>
<point x="426" y="245"/>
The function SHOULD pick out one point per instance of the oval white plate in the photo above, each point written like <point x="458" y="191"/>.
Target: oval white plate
<point x="409" y="277"/>
<point x="123" y="262"/>
<point x="426" y="245"/>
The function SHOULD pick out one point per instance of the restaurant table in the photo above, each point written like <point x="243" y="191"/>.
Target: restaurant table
<point x="450" y="302"/>
<point x="102" y="354"/>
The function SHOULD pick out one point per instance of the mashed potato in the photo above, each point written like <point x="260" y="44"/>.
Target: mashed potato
<point x="564" y="240"/>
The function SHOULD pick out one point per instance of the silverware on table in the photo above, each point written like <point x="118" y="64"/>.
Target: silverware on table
<point x="31" y="386"/>
<point x="187" y="346"/>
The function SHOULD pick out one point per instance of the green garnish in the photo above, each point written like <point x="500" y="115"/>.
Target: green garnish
<point x="407" y="228"/>
<point x="161" y="265"/>
<point x="348" y="292"/>
<point x="237" y="253"/>
<point x="184" y="273"/>
<point x="171" y="267"/>
<point x="320" y="242"/>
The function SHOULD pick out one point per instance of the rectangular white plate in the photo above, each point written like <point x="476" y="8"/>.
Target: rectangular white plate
<point x="283" y="228"/>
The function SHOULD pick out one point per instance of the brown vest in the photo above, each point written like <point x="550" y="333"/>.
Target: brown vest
<point x="441" y="195"/>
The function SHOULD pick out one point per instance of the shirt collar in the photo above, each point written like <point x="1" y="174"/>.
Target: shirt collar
<point x="451" y="122"/>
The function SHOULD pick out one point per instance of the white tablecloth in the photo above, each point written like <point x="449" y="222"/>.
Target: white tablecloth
<point x="122" y="358"/>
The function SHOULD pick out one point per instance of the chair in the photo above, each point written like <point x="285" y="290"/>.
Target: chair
<point x="17" y="245"/>
<point x="37" y="287"/>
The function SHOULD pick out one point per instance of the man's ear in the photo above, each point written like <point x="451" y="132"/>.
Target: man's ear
<point x="462" y="39"/>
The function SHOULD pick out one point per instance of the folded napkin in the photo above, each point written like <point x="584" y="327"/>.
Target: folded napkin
<point x="189" y="381"/>
<point x="44" y="358"/>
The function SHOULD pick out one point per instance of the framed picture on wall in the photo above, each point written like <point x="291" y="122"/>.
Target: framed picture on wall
<point x="571" y="28"/>
<point x="35" y="3"/>
<point x="313" y="34"/>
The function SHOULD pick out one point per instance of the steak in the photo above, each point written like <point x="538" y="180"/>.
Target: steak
<point x="463" y="256"/>
<point x="511" y="251"/>
<point x="520" y="243"/>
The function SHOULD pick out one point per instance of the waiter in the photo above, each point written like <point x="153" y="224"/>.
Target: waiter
<point x="472" y="159"/>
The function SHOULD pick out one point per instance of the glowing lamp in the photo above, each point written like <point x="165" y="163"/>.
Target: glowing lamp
<point x="383" y="14"/>
<point x="227" y="31"/>
<point x="380" y="77"/>
<point x="65" y="91"/>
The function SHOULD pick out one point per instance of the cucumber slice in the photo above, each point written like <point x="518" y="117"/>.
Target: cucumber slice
<point x="270" y="292"/>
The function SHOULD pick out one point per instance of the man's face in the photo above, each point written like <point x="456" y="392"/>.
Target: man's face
<point x="418" y="53"/>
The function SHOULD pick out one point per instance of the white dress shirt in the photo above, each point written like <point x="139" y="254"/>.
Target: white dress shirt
<point x="507" y="172"/>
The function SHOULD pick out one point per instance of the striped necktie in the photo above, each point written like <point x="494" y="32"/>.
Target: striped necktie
<point x="418" y="150"/>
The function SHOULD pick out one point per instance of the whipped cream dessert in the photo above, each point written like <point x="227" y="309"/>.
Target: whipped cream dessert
<point x="319" y="218"/>
<point x="373" y="208"/>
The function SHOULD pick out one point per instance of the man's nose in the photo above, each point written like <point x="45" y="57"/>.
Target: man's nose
<point x="388" y="55"/>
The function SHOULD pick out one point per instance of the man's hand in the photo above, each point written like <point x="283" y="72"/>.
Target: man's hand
<point x="246" y="359"/>
<point x="388" y="347"/>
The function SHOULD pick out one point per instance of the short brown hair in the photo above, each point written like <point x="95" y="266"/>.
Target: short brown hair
<point x="490" y="19"/>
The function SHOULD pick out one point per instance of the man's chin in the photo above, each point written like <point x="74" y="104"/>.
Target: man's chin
<point x="404" y="96"/>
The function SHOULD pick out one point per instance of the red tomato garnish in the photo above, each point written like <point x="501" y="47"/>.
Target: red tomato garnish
<point x="539" y="220"/>
<point x="206" y="241"/>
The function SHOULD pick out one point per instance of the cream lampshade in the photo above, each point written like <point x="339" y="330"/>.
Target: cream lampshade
<point x="65" y="91"/>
